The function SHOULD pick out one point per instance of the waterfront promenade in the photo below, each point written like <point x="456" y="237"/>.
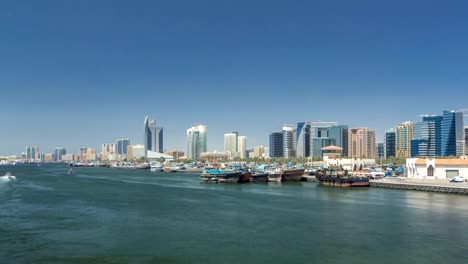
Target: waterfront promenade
<point x="444" y="185"/>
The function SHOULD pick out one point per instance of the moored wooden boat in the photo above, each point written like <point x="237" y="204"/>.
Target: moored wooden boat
<point x="259" y="177"/>
<point x="292" y="175"/>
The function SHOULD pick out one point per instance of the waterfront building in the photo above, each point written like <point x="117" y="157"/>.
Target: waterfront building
<point x="214" y="156"/>
<point x="380" y="152"/>
<point x="83" y="154"/>
<point x="242" y="146"/>
<point x="390" y="143"/>
<point x="332" y="152"/>
<point x="289" y="141"/>
<point x="453" y="138"/>
<point x="48" y="157"/>
<point x="361" y="143"/>
<point x="135" y="152"/>
<point x="435" y="168"/>
<point x="347" y="163"/>
<point x="176" y="154"/>
<point x="153" y="139"/>
<point x="403" y="135"/>
<point x="276" y="145"/>
<point x="196" y="141"/>
<point x="24" y="155"/>
<point x="68" y="157"/>
<point x="59" y="152"/>
<point x="230" y="144"/>
<point x="303" y="139"/>
<point x="107" y="150"/>
<point x="90" y="154"/>
<point x="32" y="153"/>
<point x="122" y="145"/>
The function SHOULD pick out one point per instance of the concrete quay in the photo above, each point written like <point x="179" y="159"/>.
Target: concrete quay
<point x="443" y="186"/>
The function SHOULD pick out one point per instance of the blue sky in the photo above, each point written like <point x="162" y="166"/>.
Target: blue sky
<point x="83" y="73"/>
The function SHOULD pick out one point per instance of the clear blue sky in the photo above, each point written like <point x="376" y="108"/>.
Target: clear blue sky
<point x="83" y="73"/>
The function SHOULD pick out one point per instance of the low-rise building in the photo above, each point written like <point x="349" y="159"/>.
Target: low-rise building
<point x="68" y="157"/>
<point x="176" y="154"/>
<point x="433" y="168"/>
<point x="214" y="156"/>
<point x="348" y="164"/>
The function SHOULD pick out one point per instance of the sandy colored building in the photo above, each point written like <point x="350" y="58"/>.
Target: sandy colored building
<point x="361" y="143"/>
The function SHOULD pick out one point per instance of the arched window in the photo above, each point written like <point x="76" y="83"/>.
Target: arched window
<point x="430" y="171"/>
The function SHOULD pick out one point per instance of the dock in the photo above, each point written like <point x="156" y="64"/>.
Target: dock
<point x="442" y="186"/>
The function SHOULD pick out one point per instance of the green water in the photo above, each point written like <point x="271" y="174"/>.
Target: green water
<point x="104" y="215"/>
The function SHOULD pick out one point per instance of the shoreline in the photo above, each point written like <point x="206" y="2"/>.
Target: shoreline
<point x="441" y="186"/>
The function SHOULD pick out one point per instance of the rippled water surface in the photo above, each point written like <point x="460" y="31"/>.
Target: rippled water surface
<point x="103" y="215"/>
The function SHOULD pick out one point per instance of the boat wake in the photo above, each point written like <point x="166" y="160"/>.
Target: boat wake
<point x="7" y="178"/>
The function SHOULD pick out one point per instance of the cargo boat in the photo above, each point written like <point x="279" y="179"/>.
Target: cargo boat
<point x="221" y="176"/>
<point x="341" y="178"/>
<point x="259" y="177"/>
<point x="292" y="175"/>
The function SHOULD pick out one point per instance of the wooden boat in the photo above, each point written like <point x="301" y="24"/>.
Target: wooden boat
<point x="274" y="176"/>
<point x="245" y="177"/>
<point x="292" y="175"/>
<point x="259" y="177"/>
<point x="221" y="176"/>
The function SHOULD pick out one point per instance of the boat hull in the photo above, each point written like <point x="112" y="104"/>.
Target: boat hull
<point x="261" y="177"/>
<point x="229" y="177"/>
<point x="274" y="177"/>
<point x="294" y="175"/>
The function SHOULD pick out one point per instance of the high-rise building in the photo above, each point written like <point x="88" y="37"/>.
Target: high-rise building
<point x="230" y="144"/>
<point x="242" y="146"/>
<point x="83" y="153"/>
<point x="289" y="141"/>
<point x="176" y="154"/>
<point x="318" y="129"/>
<point x="303" y="139"/>
<point x="122" y="145"/>
<point x="258" y="152"/>
<point x="321" y="142"/>
<point x="32" y="153"/>
<point x="380" y="150"/>
<point x="153" y="139"/>
<point x="107" y="150"/>
<point x="196" y="141"/>
<point x="59" y="152"/>
<point x="276" y="145"/>
<point x="361" y="143"/>
<point x="427" y="138"/>
<point x="453" y="136"/>
<point x="403" y="135"/>
<point x="340" y="134"/>
<point x="466" y="140"/>
<point x="390" y="143"/>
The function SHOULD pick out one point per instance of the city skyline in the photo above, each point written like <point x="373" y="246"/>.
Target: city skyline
<point x="83" y="74"/>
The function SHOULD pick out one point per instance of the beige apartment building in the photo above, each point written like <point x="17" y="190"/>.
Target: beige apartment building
<point x="361" y="143"/>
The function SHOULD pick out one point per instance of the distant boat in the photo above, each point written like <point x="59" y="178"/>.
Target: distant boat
<point x="342" y="178"/>
<point x="70" y="171"/>
<point x="221" y="176"/>
<point x="7" y="177"/>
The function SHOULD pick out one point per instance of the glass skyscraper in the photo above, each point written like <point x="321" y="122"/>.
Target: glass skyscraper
<point x="153" y="136"/>
<point x="122" y="145"/>
<point x="427" y="140"/>
<point x="276" y="145"/>
<point x="303" y="139"/>
<point x="453" y="136"/>
<point x="196" y="141"/>
<point x="390" y="147"/>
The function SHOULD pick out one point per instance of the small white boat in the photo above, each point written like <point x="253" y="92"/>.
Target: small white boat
<point x="7" y="177"/>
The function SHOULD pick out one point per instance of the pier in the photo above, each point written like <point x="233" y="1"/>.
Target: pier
<point x="442" y="186"/>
